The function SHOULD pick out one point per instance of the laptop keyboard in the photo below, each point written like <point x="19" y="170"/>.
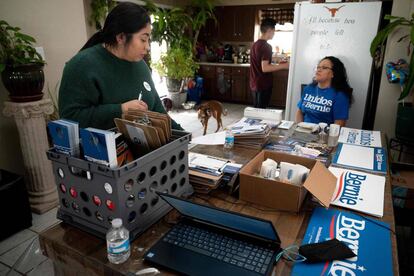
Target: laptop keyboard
<point x="220" y="247"/>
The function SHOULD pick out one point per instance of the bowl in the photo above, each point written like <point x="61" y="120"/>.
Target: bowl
<point x="188" y="105"/>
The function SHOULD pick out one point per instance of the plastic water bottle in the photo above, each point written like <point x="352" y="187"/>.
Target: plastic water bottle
<point x="229" y="140"/>
<point x="117" y="241"/>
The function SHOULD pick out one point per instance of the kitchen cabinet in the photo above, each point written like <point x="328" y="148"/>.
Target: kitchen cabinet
<point x="211" y="29"/>
<point x="231" y="84"/>
<point x="238" y="84"/>
<point x="223" y="90"/>
<point x="226" y="83"/>
<point x="280" y="81"/>
<point x="209" y="81"/>
<point x="236" y="23"/>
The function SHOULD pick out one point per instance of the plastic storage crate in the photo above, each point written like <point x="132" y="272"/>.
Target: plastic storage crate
<point x="91" y="195"/>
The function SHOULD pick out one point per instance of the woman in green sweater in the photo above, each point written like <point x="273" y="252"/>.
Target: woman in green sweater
<point x="109" y="76"/>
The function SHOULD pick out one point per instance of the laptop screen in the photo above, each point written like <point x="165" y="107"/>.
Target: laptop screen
<point x="238" y="222"/>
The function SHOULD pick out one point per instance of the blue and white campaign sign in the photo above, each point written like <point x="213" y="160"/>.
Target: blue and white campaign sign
<point x="360" y="158"/>
<point x="360" y="137"/>
<point x="371" y="243"/>
<point x="359" y="191"/>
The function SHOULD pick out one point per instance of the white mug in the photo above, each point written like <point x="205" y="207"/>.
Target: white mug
<point x="334" y="129"/>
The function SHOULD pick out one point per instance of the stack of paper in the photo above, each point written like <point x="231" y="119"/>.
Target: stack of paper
<point x="360" y="137"/>
<point x="271" y="116"/>
<point x="284" y="145"/>
<point x="205" y="172"/>
<point x="65" y="136"/>
<point x="251" y="133"/>
<point x="360" y="158"/>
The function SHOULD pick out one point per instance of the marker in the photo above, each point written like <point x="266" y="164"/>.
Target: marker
<point x="140" y="96"/>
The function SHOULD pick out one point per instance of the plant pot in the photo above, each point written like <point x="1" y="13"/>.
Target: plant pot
<point x="178" y="99"/>
<point x="24" y="82"/>
<point x="173" y="85"/>
<point x="404" y="129"/>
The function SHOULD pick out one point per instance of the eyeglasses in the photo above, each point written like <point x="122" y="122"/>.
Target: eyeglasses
<point x="323" y="68"/>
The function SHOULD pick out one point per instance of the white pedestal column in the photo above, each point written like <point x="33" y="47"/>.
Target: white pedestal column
<point x="31" y="124"/>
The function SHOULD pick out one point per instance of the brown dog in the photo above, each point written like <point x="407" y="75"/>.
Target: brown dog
<point x="208" y="109"/>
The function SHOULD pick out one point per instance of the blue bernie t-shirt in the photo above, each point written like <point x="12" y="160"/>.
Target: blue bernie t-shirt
<point x="323" y="105"/>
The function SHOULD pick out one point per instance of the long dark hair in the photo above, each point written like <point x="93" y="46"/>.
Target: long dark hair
<point x="127" y="18"/>
<point x="340" y="77"/>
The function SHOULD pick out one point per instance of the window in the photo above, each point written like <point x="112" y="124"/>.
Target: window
<point x="156" y="51"/>
<point x="283" y="38"/>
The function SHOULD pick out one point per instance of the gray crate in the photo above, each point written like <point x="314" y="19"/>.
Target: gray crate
<point x="131" y="188"/>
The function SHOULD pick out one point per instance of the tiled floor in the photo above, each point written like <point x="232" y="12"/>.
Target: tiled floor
<point x="20" y="254"/>
<point x="189" y="120"/>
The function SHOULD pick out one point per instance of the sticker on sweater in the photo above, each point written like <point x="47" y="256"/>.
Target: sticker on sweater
<point x="147" y="86"/>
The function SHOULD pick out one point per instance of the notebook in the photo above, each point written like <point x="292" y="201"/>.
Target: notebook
<point x="212" y="241"/>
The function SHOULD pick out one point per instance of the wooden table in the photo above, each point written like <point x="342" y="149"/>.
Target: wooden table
<point x="75" y="252"/>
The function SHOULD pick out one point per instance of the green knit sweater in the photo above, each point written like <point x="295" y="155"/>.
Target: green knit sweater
<point x="95" y="83"/>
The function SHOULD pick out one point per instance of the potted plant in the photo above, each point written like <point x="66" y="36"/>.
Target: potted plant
<point x="99" y="11"/>
<point x="21" y="66"/>
<point x="404" y="130"/>
<point x="179" y="28"/>
<point x="177" y="66"/>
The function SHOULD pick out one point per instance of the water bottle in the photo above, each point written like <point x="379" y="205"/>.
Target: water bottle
<point x="117" y="241"/>
<point x="229" y="140"/>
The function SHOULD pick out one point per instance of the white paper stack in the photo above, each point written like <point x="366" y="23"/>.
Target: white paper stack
<point x="360" y="158"/>
<point x="272" y="116"/>
<point x="360" y="137"/>
<point x="205" y="172"/>
<point x="251" y="133"/>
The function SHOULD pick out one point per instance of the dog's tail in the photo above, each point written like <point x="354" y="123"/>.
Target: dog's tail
<point x="225" y="112"/>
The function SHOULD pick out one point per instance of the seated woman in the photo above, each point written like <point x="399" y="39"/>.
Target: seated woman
<point x="109" y="75"/>
<point x="328" y="98"/>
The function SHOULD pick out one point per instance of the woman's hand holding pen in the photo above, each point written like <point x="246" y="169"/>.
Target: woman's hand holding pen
<point x="134" y="104"/>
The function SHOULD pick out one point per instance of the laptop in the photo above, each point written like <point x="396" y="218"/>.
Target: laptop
<point x="212" y="241"/>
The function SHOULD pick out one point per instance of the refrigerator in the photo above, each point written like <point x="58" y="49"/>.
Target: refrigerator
<point x="343" y="30"/>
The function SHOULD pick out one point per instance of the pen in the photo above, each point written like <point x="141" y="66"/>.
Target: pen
<point x="140" y="96"/>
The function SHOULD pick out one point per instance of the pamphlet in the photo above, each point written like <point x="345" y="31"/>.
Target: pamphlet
<point x="99" y="146"/>
<point x="65" y="136"/>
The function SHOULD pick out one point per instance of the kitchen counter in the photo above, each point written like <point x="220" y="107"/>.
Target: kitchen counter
<point x="225" y="64"/>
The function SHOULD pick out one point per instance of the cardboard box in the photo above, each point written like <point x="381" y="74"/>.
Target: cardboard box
<point x="281" y="195"/>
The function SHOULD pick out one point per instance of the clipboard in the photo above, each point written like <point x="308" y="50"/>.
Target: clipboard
<point x="151" y="133"/>
<point x="157" y="123"/>
<point x="164" y="117"/>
